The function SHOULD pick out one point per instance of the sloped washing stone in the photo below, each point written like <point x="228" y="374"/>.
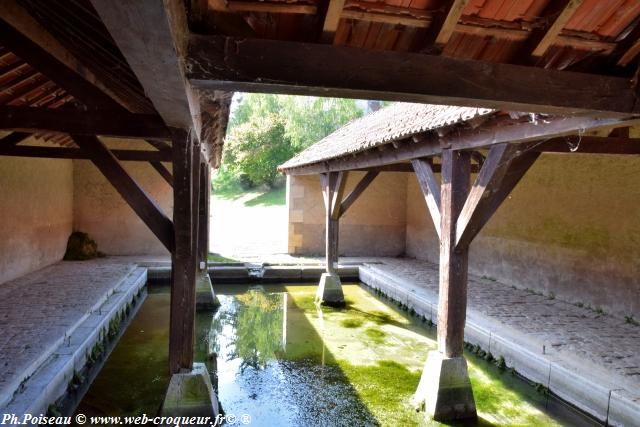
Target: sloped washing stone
<point x="206" y="298"/>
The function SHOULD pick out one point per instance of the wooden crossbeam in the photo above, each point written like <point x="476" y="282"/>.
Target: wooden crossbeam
<point x="55" y="70"/>
<point x="81" y="154"/>
<point x="555" y="29"/>
<point x="216" y="62"/>
<point x="163" y="171"/>
<point x="159" y="145"/>
<point x="67" y="120"/>
<point x="13" y="139"/>
<point x="362" y="185"/>
<point x="144" y="206"/>
<point x="505" y="165"/>
<point x="430" y="188"/>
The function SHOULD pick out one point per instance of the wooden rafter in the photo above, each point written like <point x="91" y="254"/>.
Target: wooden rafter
<point x="445" y="31"/>
<point x="554" y="31"/>
<point x="144" y="206"/>
<point x="264" y="7"/>
<point x="331" y="20"/>
<point x="222" y="63"/>
<point x="55" y="70"/>
<point x="65" y="120"/>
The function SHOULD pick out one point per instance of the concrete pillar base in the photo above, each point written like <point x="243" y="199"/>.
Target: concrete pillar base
<point x="190" y="394"/>
<point x="445" y="390"/>
<point x="330" y="290"/>
<point x="206" y="298"/>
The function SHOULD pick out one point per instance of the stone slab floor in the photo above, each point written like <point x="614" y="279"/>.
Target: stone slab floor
<point x="37" y="310"/>
<point x="598" y="341"/>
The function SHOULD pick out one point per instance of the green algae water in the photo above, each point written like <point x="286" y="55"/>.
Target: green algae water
<point x="275" y="355"/>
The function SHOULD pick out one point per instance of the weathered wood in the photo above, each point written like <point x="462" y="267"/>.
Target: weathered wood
<point x="430" y="189"/>
<point x="203" y="227"/>
<point x="462" y="140"/>
<point x="338" y="193"/>
<point x="385" y="18"/>
<point x="452" y="299"/>
<point x="491" y="200"/>
<point x="448" y="26"/>
<point x="331" y="20"/>
<point x="69" y="120"/>
<point x="217" y="62"/>
<point x="195" y="206"/>
<point x="55" y="70"/>
<point x="264" y="7"/>
<point x="80" y="154"/>
<point x="163" y="171"/>
<point x="141" y="203"/>
<point x="330" y="186"/>
<point x="159" y="145"/>
<point x="13" y="139"/>
<point x="183" y="274"/>
<point x="557" y="26"/>
<point x="362" y="185"/>
<point x="152" y="37"/>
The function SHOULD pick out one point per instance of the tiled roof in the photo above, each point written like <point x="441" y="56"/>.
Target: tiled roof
<point x="397" y="121"/>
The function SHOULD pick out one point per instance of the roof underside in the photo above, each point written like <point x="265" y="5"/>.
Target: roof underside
<point x="398" y="121"/>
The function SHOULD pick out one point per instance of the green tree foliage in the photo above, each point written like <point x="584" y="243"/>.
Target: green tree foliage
<point x="266" y="130"/>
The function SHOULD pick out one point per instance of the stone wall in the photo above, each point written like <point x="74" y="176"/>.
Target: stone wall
<point x="99" y="210"/>
<point x="374" y="225"/>
<point x="36" y="212"/>
<point x="570" y="229"/>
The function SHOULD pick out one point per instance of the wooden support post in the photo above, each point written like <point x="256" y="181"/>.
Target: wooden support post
<point x="183" y="271"/>
<point x="452" y="302"/>
<point x="203" y="233"/>
<point x="143" y="205"/>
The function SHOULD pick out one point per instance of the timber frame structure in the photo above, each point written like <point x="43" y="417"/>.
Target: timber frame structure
<point x="162" y="71"/>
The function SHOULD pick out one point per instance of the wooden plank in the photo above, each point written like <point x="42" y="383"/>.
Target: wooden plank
<point x="557" y="26"/>
<point x="68" y="120"/>
<point x="142" y="204"/>
<point x="80" y="154"/>
<point x="452" y="297"/>
<point x="216" y="62"/>
<point x="163" y="171"/>
<point x="331" y="20"/>
<point x="385" y="18"/>
<point x="463" y="140"/>
<point x="55" y="70"/>
<point x="453" y="15"/>
<point x="430" y="189"/>
<point x="269" y="7"/>
<point x="195" y="207"/>
<point x="183" y="274"/>
<point x="13" y="139"/>
<point x="492" y="201"/>
<point x="362" y="185"/>
<point x="408" y="167"/>
<point x="632" y="50"/>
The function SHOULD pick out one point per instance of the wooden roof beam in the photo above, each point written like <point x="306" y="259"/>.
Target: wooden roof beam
<point x="152" y="36"/>
<point x="222" y="63"/>
<point x="79" y="154"/>
<point x="443" y="25"/>
<point x="70" y="120"/>
<point x="331" y="20"/>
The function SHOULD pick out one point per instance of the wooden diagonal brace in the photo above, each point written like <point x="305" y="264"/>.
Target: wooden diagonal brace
<point x="164" y="172"/>
<point x="357" y="191"/>
<point x="505" y="165"/>
<point x="430" y="188"/>
<point x="143" y="205"/>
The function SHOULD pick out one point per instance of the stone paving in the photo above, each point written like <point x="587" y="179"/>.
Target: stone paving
<point x="602" y="340"/>
<point x="39" y="309"/>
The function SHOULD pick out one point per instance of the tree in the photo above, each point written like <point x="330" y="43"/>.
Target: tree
<point x="266" y="130"/>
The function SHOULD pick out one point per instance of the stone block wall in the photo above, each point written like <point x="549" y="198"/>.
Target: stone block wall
<point x="374" y="225"/>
